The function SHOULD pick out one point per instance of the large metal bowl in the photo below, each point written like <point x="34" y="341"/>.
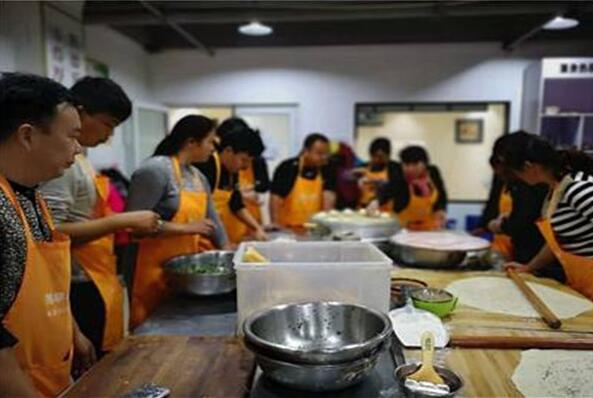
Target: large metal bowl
<point x="196" y="284"/>
<point x="383" y="229"/>
<point x="317" y="332"/>
<point x="426" y="258"/>
<point x="317" y="377"/>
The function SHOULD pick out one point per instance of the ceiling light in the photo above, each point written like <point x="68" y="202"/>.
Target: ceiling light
<point x="560" y="23"/>
<point x="255" y="29"/>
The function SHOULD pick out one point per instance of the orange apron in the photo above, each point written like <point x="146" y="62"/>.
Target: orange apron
<point x="578" y="269"/>
<point x="150" y="285"/>
<point x="100" y="264"/>
<point x="368" y="190"/>
<point x="235" y="228"/>
<point x="247" y="180"/>
<point x="40" y="316"/>
<point x="501" y="242"/>
<point x="419" y="214"/>
<point x="304" y="200"/>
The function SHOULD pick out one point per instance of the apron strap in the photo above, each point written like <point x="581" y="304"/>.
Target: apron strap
<point x="86" y="165"/>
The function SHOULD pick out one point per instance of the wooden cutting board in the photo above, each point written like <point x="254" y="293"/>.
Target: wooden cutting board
<point x="469" y="321"/>
<point x="189" y="366"/>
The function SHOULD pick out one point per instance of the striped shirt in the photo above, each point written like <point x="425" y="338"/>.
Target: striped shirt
<point x="573" y="219"/>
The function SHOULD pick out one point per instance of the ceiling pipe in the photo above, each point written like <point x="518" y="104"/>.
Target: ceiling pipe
<point x="177" y="28"/>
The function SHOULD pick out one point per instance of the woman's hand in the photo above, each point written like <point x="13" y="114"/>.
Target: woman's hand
<point x="518" y="267"/>
<point x="203" y="227"/>
<point x="143" y="222"/>
<point x="440" y="218"/>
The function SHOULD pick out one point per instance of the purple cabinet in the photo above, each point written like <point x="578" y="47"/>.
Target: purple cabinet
<point x="570" y="95"/>
<point x="561" y="131"/>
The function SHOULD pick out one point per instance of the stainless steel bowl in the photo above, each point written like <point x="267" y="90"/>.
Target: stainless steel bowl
<point x="196" y="284"/>
<point x="317" y="332"/>
<point x="317" y="377"/>
<point x="426" y="258"/>
<point x="451" y="379"/>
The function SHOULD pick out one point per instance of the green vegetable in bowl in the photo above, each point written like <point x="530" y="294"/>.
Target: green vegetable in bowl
<point x="211" y="269"/>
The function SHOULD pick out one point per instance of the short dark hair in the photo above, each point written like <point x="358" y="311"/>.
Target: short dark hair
<point x="241" y="142"/>
<point x="230" y="125"/>
<point x="380" y="144"/>
<point x="414" y="154"/>
<point x="102" y="95"/>
<point x="26" y="98"/>
<point x="239" y="126"/>
<point x="312" y="138"/>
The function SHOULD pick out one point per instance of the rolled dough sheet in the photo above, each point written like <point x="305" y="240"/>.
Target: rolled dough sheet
<point x="500" y="295"/>
<point x="555" y="373"/>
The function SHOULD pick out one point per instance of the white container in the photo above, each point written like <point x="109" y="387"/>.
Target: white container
<point x="351" y="272"/>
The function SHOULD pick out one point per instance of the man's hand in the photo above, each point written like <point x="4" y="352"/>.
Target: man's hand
<point x="260" y="235"/>
<point x="84" y="354"/>
<point x="495" y="226"/>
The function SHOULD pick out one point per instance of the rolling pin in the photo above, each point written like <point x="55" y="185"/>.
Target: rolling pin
<point x="521" y="342"/>
<point x="542" y="309"/>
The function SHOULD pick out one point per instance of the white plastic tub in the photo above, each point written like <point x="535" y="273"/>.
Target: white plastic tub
<point x="351" y="272"/>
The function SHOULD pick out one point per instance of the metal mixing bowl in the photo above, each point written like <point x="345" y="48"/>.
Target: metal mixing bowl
<point x="317" y="332"/>
<point x="451" y="379"/>
<point x="317" y="377"/>
<point x="196" y="284"/>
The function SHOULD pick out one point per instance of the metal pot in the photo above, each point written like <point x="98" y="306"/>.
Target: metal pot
<point x="317" y="377"/>
<point x="196" y="284"/>
<point x="317" y="332"/>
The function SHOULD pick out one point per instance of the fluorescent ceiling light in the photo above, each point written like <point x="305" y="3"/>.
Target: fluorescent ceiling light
<point x="255" y="29"/>
<point x="560" y="23"/>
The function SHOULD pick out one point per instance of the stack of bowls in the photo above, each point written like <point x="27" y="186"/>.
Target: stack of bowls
<point x="317" y="346"/>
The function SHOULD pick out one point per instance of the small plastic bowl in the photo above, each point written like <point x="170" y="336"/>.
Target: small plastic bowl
<point x="438" y="301"/>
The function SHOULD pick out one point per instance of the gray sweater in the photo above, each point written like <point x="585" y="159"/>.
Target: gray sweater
<point x="154" y="187"/>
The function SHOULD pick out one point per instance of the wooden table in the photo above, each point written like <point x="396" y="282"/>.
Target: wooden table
<point x="189" y="366"/>
<point x="488" y="372"/>
<point x="468" y="321"/>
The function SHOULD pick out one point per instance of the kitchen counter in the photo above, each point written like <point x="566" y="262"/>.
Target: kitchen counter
<point x="193" y="316"/>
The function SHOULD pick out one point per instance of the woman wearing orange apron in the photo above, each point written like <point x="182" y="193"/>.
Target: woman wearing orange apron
<point x="300" y="188"/>
<point x="502" y="243"/>
<point x="419" y="198"/>
<point x="377" y="173"/>
<point x="565" y="224"/>
<point x="236" y="151"/>
<point x="169" y="185"/>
